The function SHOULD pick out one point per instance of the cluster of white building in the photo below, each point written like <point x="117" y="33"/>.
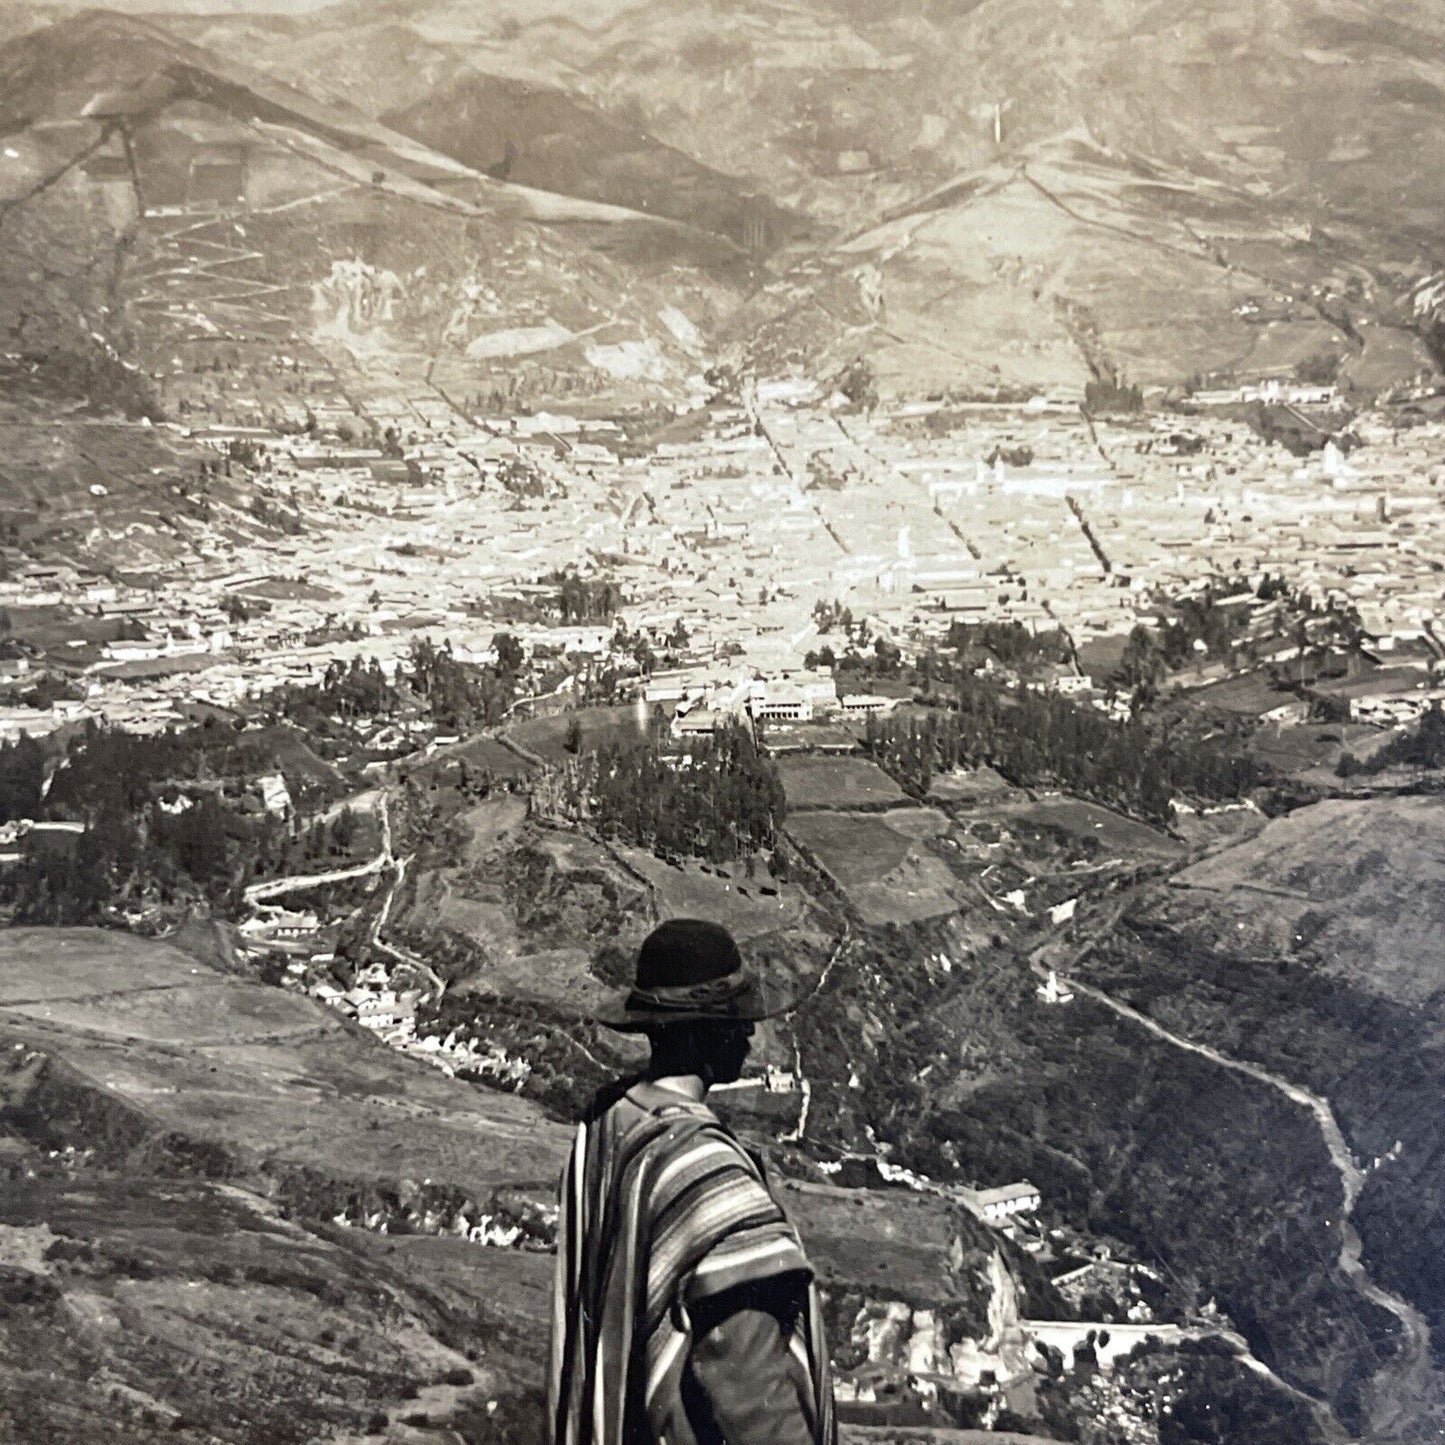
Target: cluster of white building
<point x="703" y="697"/>
<point x="914" y="517"/>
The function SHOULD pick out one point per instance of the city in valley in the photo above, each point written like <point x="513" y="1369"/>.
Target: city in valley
<point x="475" y="488"/>
<point x="712" y="552"/>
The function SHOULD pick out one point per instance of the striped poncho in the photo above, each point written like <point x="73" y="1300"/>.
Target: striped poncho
<point x="660" y="1207"/>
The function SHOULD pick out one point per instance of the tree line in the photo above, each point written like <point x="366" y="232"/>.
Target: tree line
<point x="453" y="695"/>
<point x="1422" y="746"/>
<point x="168" y="818"/>
<point x="586" y="599"/>
<point x="723" y="802"/>
<point x="1214" y="624"/>
<point x="1038" y="738"/>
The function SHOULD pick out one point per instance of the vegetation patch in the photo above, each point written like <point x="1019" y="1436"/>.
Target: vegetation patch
<point x="887" y="875"/>
<point x="722" y="802"/>
<point x="830" y="782"/>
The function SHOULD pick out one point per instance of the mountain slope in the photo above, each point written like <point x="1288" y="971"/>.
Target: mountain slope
<point x="116" y="72"/>
<point x="158" y="195"/>
<point x="1313" y="950"/>
<point x="226" y="1215"/>
<point x="180" y="1154"/>
<point x="1327" y="93"/>
<point x="537" y="135"/>
<point x="1327" y="100"/>
<point x="1226" y="152"/>
<point x="1067" y="262"/>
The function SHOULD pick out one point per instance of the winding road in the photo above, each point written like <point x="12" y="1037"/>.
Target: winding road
<point x="1404" y="1379"/>
<point x="386" y="858"/>
<point x="299" y="883"/>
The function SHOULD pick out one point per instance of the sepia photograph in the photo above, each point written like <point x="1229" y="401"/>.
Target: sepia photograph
<point x="722" y="722"/>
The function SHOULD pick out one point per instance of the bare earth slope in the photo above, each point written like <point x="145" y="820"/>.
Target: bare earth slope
<point x="269" y="1079"/>
<point x="174" y="1145"/>
<point x="1287" y="153"/>
<point x="1355" y="888"/>
<point x="1018" y="196"/>
<point x="542" y="136"/>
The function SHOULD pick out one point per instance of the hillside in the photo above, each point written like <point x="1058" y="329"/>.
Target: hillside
<point x="922" y="1065"/>
<point x="922" y="1038"/>
<point x="1354" y="890"/>
<point x="537" y="135"/>
<point x="1063" y="263"/>
<point x="1313" y="950"/>
<point x="1319" y="100"/>
<point x="111" y="495"/>
<point x="1284" y="159"/>
<point x="176" y="1145"/>
<point x="412" y="455"/>
<point x="1312" y="91"/>
<point x="227" y="1215"/>
<point x="180" y="199"/>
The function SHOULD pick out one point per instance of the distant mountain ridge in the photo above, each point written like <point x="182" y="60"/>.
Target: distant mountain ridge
<point x="984" y="193"/>
<point x="539" y="135"/>
<point x="104" y="67"/>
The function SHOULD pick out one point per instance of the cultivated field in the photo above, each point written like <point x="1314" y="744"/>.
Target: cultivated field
<point x="492" y="823"/>
<point x="725" y="895"/>
<point x="886" y="871"/>
<point x="971" y="785"/>
<point x="828" y="782"/>
<point x="478" y="755"/>
<point x="889" y="1238"/>
<point x="1096" y="830"/>
<point x="1248" y="695"/>
<point x="1310" y="749"/>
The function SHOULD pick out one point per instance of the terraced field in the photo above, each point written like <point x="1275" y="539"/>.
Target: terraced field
<point x="882" y="862"/>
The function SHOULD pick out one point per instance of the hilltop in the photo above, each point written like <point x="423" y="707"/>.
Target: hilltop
<point x="230" y="1215"/>
<point x="182" y="1154"/>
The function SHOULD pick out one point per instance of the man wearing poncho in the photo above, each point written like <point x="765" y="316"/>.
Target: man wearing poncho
<point x="684" y="1309"/>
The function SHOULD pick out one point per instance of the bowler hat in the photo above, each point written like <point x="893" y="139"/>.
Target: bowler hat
<point x="690" y="971"/>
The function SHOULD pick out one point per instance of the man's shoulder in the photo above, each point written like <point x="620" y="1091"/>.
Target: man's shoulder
<point x="646" y="1119"/>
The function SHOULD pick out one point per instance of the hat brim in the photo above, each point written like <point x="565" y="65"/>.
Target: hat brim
<point x="754" y="1004"/>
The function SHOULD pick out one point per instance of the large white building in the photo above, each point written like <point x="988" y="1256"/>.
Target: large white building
<point x="1005" y="1201"/>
